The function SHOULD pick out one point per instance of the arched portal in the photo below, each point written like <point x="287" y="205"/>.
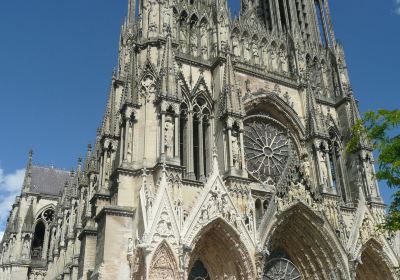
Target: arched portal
<point x="301" y="239"/>
<point x="163" y="265"/>
<point x="220" y="254"/>
<point x="373" y="265"/>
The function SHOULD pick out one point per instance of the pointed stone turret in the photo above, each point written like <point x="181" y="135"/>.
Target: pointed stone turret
<point x="231" y="101"/>
<point x="28" y="173"/>
<point x="167" y="71"/>
<point x="354" y="110"/>
<point x="109" y="121"/>
<point x="314" y="125"/>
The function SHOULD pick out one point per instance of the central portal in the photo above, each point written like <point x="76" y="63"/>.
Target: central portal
<point x="219" y="254"/>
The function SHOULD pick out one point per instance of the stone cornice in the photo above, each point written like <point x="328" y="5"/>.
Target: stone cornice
<point x="121" y="211"/>
<point x="87" y="232"/>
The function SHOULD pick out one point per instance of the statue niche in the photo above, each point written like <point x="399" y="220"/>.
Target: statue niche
<point x="169" y="137"/>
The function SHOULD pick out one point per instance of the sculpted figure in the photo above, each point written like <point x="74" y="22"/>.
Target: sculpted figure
<point x="235" y="46"/>
<point x="166" y="12"/>
<point x="246" y="53"/>
<point x="235" y="152"/>
<point x="283" y="61"/>
<point x="203" y="41"/>
<point x="152" y="19"/>
<point x="182" y="39"/>
<point x="193" y="43"/>
<point x="25" y="249"/>
<point x="169" y="137"/>
<point x="255" y="52"/>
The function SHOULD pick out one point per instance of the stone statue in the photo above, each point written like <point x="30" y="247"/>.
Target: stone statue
<point x="235" y="152"/>
<point x="235" y="46"/>
<point x="25" y="249"/>
<point x="169" y="137"/>
<point x="183" y="39"/>
<point x="153" y="18"/>
<point x="166" y="12"/>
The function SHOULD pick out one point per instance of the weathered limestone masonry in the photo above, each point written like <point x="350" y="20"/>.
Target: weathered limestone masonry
<point x="220" y="156"/>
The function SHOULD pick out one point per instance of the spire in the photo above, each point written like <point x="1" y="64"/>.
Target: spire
<point x="355" y="112"/>
<point x="28" y="172"/>
<point x="108" y="126"/>
<point x="231" y="101"/>
<point x="130" y="90"/>
<point x="167" y="72"/>
<point x="131" y="12"/>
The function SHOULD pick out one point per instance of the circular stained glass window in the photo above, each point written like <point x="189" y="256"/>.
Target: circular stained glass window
<point x="266" y="145"/>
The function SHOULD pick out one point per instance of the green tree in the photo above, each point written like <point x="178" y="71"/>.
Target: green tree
<point x="381" y="129"/>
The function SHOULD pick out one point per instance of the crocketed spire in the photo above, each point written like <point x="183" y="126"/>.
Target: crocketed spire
<point x="231" y="101"/>
<point x="167" y="71"/>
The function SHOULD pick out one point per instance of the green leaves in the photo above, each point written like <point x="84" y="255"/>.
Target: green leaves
<point x="381" y="130"/>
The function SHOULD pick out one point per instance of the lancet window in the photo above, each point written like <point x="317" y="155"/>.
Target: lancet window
<point x="336" y="164"/>
<point x="38" y="240"/>
<point x="195" y="138"/>
<point x="41" y="238"/>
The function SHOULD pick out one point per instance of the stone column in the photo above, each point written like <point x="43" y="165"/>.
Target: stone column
<point x="229" y="132"/>
<point x="201" y="149"/>
<point x="162" y="149"/>
<point x="176" y="137"/>
<point x="45" y="243"/>
<point x="329" y="167"/>
<point x="189" y="146"/>
<point x="242" y="148"/>
<point x="122" y="143"/>
<point x="126" y="139"/>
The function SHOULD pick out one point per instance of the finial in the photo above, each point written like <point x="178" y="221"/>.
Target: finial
<point x="89" y="147"/>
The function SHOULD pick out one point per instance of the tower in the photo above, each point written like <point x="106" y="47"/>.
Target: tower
<point x="220" y="156"/>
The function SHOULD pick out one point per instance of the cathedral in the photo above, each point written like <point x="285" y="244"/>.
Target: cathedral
<point x="221" y="156"/>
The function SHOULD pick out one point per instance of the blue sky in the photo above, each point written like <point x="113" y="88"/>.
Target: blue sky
<point x="56" y="59"/>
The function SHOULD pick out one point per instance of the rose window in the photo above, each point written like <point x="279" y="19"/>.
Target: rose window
<point x="48" y="215"/>
<point x="281" y="269"/>
<point x="266" y="145"/>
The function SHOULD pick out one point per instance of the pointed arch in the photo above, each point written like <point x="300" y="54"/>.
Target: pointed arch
<point x="218" y="246"/>
<point x="374" y="263"/>
<point x="308" y="242"/>
<point x="279" y="109"/>
<point x="164" y="264"/>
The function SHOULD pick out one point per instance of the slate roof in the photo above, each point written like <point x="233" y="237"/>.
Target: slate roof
<point x="48" y="180"/>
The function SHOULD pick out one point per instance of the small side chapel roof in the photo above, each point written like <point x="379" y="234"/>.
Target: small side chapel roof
<point x="48" y="180"/>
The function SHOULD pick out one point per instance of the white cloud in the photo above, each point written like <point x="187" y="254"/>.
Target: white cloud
<point x="10" y="187"/>
<point x="397" y="7"/>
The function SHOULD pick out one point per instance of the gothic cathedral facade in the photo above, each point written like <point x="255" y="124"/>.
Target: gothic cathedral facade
<point x="221" y="155"/>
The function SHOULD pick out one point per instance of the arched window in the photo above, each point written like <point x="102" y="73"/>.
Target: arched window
<point x="38" y="240"/>
<point x="195" y="139"/>
<point x="199" y="272"/>
<point x="201" y="134"/>
<point x="336" y="165"/>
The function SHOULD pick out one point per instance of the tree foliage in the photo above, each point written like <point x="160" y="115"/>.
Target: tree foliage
<point x="381" y="129"/>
